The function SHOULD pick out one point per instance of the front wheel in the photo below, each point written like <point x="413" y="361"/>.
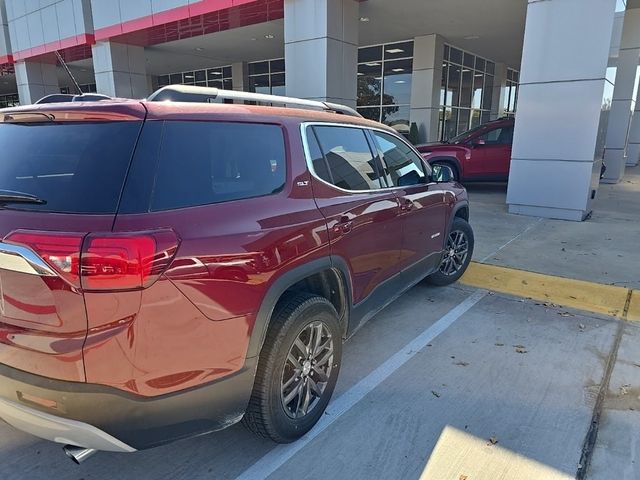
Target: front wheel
<point x="297" y="370"/>
<point x="457" y="254"/>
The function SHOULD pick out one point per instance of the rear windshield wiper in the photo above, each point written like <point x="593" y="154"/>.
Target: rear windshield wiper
<point x="9" y="196"/>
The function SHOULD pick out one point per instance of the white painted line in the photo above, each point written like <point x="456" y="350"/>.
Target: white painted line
<point x="512" y="240"/>
<point x="277" y="457"/>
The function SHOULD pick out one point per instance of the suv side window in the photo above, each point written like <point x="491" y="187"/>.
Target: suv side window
<point x="498" y="136"/>
<point x="210" y="162"/>
<point x="403" y="165"/>
<point x="351" y="164"/>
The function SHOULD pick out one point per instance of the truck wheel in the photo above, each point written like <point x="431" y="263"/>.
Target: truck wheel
<point x="297" y="370"/>
<point x="457" y="254"/>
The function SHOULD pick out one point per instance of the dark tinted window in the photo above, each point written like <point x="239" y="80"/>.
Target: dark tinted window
<point x="403" y="165"/>
<point x="498" y="136"/>
<point x="210" y="162"/>
<point x="318" y="161"/>
<point x="349" y="157"/>
<point x="75" y="167"/>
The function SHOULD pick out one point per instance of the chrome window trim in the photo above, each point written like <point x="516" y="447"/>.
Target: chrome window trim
<point x="309" y="161"/>
<point x="17" y="258"/>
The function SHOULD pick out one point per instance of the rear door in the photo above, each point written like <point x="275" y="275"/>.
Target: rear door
<point x="422" y="205"/>
<point x="77" y="168"/>
<point x="362" y="212"/>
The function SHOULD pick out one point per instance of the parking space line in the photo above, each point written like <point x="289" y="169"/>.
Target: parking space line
<point x="529" y="227"/>
<point x="579" y="294"/>
<point x="277" y="457"/>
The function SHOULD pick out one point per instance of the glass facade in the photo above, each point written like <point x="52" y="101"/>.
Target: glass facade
<point x="384" y="83"/>
<point x="218" y="77"/>
<point x="267" y="77"/>
<point x="511" y="92"/>
<point x="466" y="92"/>
<point x="10" y="100"/>
<point x="86" y="88"/>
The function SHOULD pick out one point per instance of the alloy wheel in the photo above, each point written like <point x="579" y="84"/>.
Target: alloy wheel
<point x="456" y="253"/>
<point x="307" y="370"/>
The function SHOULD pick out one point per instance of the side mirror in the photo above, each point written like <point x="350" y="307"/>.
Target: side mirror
<point x="442" y="174"/>
<point x="478" y="142"/>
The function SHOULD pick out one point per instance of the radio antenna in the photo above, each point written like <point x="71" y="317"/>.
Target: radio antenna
<point x="64" y="65"/>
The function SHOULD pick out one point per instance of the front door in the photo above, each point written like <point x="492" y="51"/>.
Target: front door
<point x="421" y="203"/>
<point x="491" y="154"/>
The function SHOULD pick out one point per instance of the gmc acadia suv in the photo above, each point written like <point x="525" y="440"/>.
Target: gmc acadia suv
<point x="169" y="268"/>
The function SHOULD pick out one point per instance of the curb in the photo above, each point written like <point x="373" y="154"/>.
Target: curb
<point x="619" y="302"/>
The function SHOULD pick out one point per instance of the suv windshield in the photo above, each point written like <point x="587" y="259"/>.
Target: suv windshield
<point x="464" y="136"/>
<point x="72" y="167"/>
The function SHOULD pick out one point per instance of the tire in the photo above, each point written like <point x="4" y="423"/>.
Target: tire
<point x="453" y="167"/>
<point x="457" y="255"/>
<point x="296" y="318"/>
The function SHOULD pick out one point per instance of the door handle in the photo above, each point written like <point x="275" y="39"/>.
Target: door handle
<point x="343" y="226"/>
<point x="406" y="205"/>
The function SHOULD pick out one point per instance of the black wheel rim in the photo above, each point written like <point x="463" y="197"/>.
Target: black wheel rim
<point x="456" y="253"/>
<point x="307" y="370"/>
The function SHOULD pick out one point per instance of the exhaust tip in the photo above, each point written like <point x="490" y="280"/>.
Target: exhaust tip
<point x="78" y="454"/>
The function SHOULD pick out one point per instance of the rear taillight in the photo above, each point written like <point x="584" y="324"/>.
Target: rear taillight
<point x="97" y="262"/>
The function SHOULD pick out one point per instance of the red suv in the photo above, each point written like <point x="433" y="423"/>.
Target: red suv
<point x="480" y="154"/>
<point x="170" y="268"/>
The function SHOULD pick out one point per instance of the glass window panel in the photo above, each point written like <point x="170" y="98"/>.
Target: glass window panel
<point x="397" y="118"/>
<point x="453" y="86"/>
<point x="469" y="60"/>
<point x="163" y="80"/>
<point x="463" y="121"/>
<point x="443" y="87"/>
<point x="277" y="66"/>
<point x="481" y="64"/>
<point x="450" y="123"/>
<point x="215" y="84"/>
<point x="175" y="78"/>
<point x="260" y="84"/>
<point x="201" y="84"/>
<point x="258" y="68"/>
<point x="478" y="85"/>
<point x="456" y="56"/>
<point x="201" y="76"/>
<point x="491" y="68"/>
<point x="398" y="50"/>
<point x="487" y="95"/>
<point x="226" y="72"/>
<point x="277" y="84"/>
<point x="370" y="54"/>
<point x="507" y="98"/>
<point x="397" y="82"/>
<point x="228" y="84"/>
<point x="475" y="118"/>
<point x="370" y="113"/>
<point x="485" y="117"/>
<point x="467" y="87"/>
<point x="189" y="78"/>
<point x="214" y="74"/>
<point x="446" y="53"/>
<point x="370" y="84"/>
<point x="318" y="162"/>
<point x="402" y="164"/>
<point x="349" y="157"/>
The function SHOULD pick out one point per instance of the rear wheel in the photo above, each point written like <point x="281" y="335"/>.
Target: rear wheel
<point x="297" y="370"/>
<point x="457" y="254"/>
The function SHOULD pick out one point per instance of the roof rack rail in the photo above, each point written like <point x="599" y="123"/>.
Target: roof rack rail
<point x="64" y="97"/>
<point x="189" y="93"/>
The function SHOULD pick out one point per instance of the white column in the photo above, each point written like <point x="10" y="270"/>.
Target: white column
<point x="120" y="70"/>
<point x="499" y="91"/>
<point x="240" y="76"/>
<point x="321" y="49"/>
<point x="562" y="108"/>
<point x="35" y="80"/>
<point x="633" y="148"/>
<point x="426" y="84"/>
<point x="624" y="97"/>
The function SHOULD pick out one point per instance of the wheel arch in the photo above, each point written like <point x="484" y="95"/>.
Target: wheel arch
<point x="327" y="277"/>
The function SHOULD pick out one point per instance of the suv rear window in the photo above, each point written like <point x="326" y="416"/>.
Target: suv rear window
<point x="75" y="167"/>
<point x="210" y="162"/>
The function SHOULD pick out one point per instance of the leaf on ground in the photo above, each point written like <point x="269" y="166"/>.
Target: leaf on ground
<point x="435" y="394"/>
<point x="566" y="314"/>
<point x="493" y="441"/>
<point x="520" y="348"/>
<point x="462" y="364"/>
<point x="463" y="477"/>
<point x="499" y="344"/>
<point x="581" y="327"/>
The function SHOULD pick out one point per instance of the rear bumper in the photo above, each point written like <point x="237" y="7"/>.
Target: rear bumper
<point x="104" y="418"/>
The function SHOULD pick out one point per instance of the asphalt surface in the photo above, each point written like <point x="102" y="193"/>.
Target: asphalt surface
<point x="502" y="385"/>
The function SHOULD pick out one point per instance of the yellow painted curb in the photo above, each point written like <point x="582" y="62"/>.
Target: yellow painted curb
<point x="633" y="314"/>
<point x="588" y="296"/>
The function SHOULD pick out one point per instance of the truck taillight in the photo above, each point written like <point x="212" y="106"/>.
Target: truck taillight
<point x="98" y="262"/>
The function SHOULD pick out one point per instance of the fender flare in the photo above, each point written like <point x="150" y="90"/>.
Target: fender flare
<point x="284" y="282"/>
<point x="457" y="207"/>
